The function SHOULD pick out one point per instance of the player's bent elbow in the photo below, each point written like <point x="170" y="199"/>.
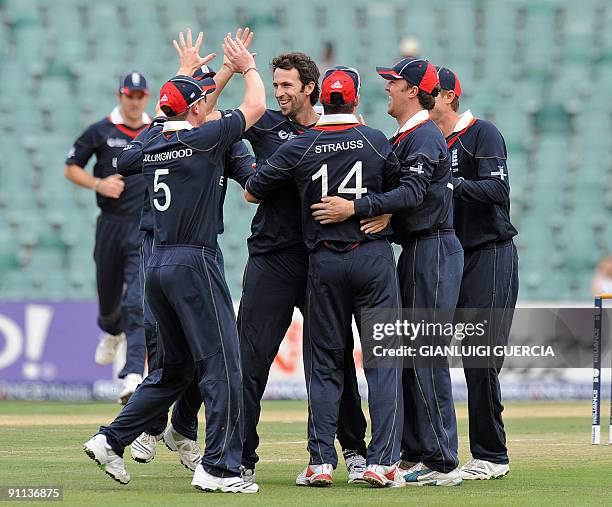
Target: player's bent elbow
<point x="250" y="197"/>
<point x="69" y="172"/>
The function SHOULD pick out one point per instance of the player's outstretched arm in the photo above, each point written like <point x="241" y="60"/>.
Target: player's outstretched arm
<point x="240" y="60"/>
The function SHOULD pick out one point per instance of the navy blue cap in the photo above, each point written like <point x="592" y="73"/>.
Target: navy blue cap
<point x="203" y="72"/>
<point x="417" y="71"/>
<point x="133" y="81"/>
<point x="449" y="80"/>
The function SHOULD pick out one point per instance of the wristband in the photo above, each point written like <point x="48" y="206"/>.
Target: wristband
<point x="250" y="68"/>
<point x="97" y="185"/>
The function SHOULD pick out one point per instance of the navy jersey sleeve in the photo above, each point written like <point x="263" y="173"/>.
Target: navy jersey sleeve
<point x="216" y="136"/>
<point x="240" y="163"/>
<point x="275" y="173"/>
<point x="130" y="159"/>
<point x="490" y="155"/>
<point x="83" y="148"/>
<point x="392" y="172"/>
<point x="415" y="175"/>
<point x="258" y="128"/>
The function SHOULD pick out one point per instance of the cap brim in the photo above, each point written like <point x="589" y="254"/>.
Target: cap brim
<point x="128" y="91"/>
<point x="388" y="73"/>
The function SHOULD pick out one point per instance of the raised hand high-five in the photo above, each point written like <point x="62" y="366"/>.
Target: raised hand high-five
<point x="246" y="36"/>
<point x="189" y="53"/>
<point x="236" y="54"/>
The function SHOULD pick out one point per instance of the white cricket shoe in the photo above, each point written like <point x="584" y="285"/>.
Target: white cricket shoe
<point x="130" y="383"/>
<point x="107" y="348"/>
<point x="188" y="450"/>
<point x="384" y="476"/>
<point x="355" y="465"/>
<point x="421" y="475"/>
<point x="405" y="466"/>
<point x="316" y="475"/>
<point x="204" y="481"/>
<point x="247" y="474"/>
<point x="479" y="469"/>
<point x="143" y="448"/>
<point x="98" y="449"/>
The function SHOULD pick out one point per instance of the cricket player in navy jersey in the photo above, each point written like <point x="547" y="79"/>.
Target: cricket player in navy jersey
<point x="490" y="274"/>
<point x="185" y="287"/>
<point x="430" y="265"/>
<point x="274" y="281"/>
<point x="181" y="434"/>
<point x="118" y="237"/>
<point x="348" y="271"/>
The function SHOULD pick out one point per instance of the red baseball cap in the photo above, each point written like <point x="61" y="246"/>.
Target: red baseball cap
<point x="340" y="86"/>
<point x="181" y="92"/>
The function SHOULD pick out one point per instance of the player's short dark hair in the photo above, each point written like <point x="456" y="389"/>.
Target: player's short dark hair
<point x="339" y="108"/>
<point x="306" y="67"/>
<point x="428" y="100"/>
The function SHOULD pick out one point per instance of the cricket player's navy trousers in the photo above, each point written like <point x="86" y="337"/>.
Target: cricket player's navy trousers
<point x="273" y="285"/>
<point x="185" y="410"/>
<point x="340" y="285"/>
<point x="430" y="269"/>
<point x="117" y="258"/>
<point x="191" y="304"/>
<point x="490" y="281"/>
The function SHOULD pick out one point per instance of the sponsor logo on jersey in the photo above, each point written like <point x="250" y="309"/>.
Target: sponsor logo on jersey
<point x="344" y="145"/>
<point x="168" y="155"/>
<point x="116" y="142"/>
<point x="72" y="152"/>
<point x="284" y="135"/>
<point x="417" y="168"/>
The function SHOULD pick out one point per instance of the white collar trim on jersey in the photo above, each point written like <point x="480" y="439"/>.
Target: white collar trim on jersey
<point x="413" y="121"/>
<point x="116" y="118"/>
<point x="464" y="121"/>
<point x="176" y="125"/>
<point x="337" y="119"/>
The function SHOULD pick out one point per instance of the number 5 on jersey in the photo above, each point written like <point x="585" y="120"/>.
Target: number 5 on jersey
<point x="157" y="186"/>
<point x="357" y="190"/>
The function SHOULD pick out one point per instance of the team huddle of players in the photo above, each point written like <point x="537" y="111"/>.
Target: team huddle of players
<point x="332" y="194"/>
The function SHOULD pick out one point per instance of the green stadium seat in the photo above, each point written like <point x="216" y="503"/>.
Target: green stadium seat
<point x="522" y="65"/>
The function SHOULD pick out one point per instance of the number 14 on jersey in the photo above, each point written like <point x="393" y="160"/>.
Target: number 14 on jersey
<point x="358" y="190"/>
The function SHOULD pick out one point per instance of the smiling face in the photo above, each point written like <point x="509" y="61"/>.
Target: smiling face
<point x="399" y="92"/>
<point x="290" y="93"/>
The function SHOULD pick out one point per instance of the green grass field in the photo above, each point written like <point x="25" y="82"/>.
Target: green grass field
<point x="552" y="462"/>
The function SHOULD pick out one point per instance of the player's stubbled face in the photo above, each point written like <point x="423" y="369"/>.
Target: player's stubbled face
<point x="289" y="91"/>
<point x="396" y="89"/>
<point x="134" y="104"/>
